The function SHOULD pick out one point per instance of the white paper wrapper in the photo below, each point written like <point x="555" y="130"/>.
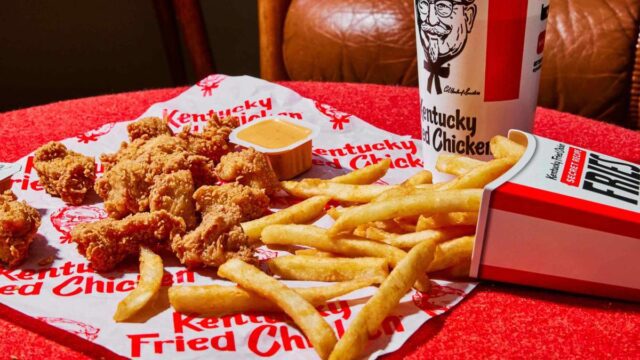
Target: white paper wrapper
<point x="67" y="294"/>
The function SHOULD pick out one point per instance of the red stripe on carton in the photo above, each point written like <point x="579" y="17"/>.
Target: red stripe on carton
<point x="507" y="25"/>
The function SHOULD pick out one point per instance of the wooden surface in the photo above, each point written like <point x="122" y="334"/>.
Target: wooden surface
<point x="271" y="17"/>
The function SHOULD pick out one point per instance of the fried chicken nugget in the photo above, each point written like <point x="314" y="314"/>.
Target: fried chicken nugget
<point x="64" y="173"/>
<point x="174" y="192"/>
<point x="18" y="225"/>
<point x="147" y="128"/>
<point x="107" y="242"/>
<point x="142" y="147"/>
<point x="251" y="203"/>
<point x="213" y="141"/>
<point x="125" y="187"/>
<point x="249" y="167"/>
<point x="217" y="239"/>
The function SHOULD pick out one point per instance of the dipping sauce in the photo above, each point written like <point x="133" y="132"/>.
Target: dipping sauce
<point x="273" y="133"/>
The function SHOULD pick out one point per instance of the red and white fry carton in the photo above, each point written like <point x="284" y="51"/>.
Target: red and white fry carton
<point x="6" y="171"/>
<point x="562" y="218"/>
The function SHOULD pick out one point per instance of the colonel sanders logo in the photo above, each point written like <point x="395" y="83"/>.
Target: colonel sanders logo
<point x="93" y="135"/>
<point x="443" y="27"/>
<point x="83" y="330"/>
<point x="337" y="118"/>
<point x="66" y="218"/>
<point x="209" y="83"/>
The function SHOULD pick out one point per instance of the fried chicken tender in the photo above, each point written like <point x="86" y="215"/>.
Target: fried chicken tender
<point x="64" y="173"/>
<point x="217" y="239"/>
<point x="213" y="141"/>
<point x="125" y="187"/>
<point x="142" y="147"/>
<point x="174" y="192"/>
<point x="250" y="202"/>
<point x="249" y="167"/>
<point x="18" y="225"/>
<point x="147" y="128"/>
<point x="107" y="242"/>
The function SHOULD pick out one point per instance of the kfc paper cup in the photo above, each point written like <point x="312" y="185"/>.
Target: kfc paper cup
<point x="479" y="69"/>
<point x="562" y="218"/>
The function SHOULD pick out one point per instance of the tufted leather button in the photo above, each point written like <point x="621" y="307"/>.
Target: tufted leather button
<point x="589" y="56"/>
<point x="351" y="40"/>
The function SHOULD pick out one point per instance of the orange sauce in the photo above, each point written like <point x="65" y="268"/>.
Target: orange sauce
<point x="273" y="133"/>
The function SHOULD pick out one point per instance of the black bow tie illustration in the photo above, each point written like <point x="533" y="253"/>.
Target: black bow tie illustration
<point x="437" y="71"/>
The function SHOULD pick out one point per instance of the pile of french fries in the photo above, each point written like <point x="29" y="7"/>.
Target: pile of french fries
<point x="391" y="236"/>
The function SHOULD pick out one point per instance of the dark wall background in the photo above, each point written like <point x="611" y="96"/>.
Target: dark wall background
<point x="60" y="49"/>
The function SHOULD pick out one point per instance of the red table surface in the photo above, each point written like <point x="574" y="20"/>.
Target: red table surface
<point x="496" y="320"/>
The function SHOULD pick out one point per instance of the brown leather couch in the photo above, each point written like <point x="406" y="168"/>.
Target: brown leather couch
<point x="591" y="58"/>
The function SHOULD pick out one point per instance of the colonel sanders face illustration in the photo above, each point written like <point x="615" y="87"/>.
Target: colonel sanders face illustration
<point x="443" y="28"/>
<point x="444" y="25"/>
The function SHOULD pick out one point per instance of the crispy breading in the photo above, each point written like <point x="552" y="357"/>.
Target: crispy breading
<point x="125" y="187"/>
<point x="107" y="242"/>
<point x="142" y="147"/>
<point x="147" y="128"/>
<point x="174" y="192"/>
<point x="19" y="223"/>
<point x="248" y="167"/>
<point x="251" y="203"/>
<point x="213" y="141"/>
<point x="217" y="239"/>
<point x="64" y="173"/>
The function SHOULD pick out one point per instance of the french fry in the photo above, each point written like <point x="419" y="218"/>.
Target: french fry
<point x="374" y="233"/>
<point x="151" y="272"/>
<point x="315" y="268"/>
<point x="422" y="284"/>
<point x="421" y="177"/>
<point x="299" y="213"/>
<point x="389" y="225"/>
<point x="457" y="271"/>
<point x="366" y="175"/>
<point x="480" y="176"/>
<point x="293" y="304"/>
<point x="308" y="235"/>
<point x="408" y="241"/>
<point x="314" y="252"/>
<point x="335" y="212"/>
<point x="383" y="301"/>
<point x="406" y="224"/>
<point x="222" y="300"/>
<point x="501" y="147"/>
<point x="433" y="202"/>
<point x="361" y="230"/>
<point x="452" y="252"/>
<point x="456" y="165"/>
<point x="337" y="191"/>
<point x="405" y="190"/>
<point x="441" y="220"/>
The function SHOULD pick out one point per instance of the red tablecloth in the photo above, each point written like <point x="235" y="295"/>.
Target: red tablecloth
<point x="496" y="320"/>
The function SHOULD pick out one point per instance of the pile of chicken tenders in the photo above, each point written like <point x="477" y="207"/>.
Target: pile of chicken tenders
<point x="186" y="193"/>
